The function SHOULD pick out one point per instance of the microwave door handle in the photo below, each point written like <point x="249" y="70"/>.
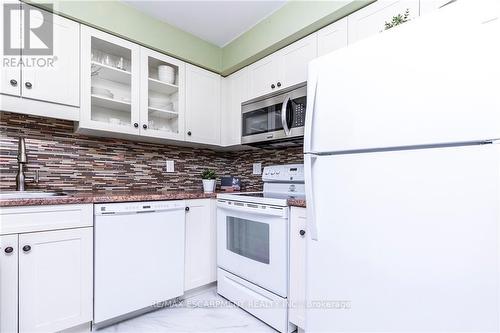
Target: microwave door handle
<point x="283" y="115"/>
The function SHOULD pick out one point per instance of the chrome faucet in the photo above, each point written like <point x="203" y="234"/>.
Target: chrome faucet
<point x="22" y="159"/>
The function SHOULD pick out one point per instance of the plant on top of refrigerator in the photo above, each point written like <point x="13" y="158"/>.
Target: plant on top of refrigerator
<point x="398" y="19"/>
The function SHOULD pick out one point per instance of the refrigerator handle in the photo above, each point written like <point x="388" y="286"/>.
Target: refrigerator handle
<point x="308" y="177"/>
<point x="312" y="87"/>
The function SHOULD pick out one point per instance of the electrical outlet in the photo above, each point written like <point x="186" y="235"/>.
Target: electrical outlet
<point x="170" y="165"/>
<point x="257" y="168"/>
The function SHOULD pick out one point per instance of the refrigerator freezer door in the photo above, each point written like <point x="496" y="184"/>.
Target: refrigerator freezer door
<point x="407" y="241"/>
<point x="430" y="81"/>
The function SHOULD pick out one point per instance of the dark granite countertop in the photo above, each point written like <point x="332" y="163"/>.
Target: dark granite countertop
<point x="104" y="197"/>
<point x="120" y="196"/>
<point x="296" y="202"/>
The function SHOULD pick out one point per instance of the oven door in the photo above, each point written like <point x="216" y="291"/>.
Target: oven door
<point x="252" y="243"/>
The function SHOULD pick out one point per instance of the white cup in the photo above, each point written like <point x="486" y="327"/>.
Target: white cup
<point x="166" y="74"/>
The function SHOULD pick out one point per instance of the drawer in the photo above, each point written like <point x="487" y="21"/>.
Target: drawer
<point x="14" y="220"/>
<point x="268" y="307"/>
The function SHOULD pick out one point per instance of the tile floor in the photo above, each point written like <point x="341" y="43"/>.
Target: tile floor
<point x="205" y="312"/>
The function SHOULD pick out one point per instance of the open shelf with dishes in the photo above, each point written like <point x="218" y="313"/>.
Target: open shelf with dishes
<point x="129" y="90"/>
<point x="110" y="83"/>
<point x="162" y="94"/>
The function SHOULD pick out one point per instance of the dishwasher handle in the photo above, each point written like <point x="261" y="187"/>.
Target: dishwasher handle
<point x="124" y="209"/>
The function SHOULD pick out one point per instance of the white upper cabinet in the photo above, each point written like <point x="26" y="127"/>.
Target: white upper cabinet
<point x="55" y="279"/>
<point x="332" y="37"/>
<point x="427" y="6"/>
<point x="282" y="69"/>
<point x="234" y="92"/>
<point x="203" y="106"/>
<point x="60" y="82"/>
<point x="294" y="61"/>
<point x="263" y="76"/>
<point x="44" y="85"/>
<point x="109" y="83"/>
<point x="162" y="96"/>
<point x="371" y="19"/>
<point x="10" y="78"/>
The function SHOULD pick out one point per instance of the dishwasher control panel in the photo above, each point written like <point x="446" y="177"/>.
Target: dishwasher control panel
<point x="137" y="207"/>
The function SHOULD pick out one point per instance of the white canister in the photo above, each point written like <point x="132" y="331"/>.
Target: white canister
<point x="166" y="74"/>
<point x="208" y="185"/>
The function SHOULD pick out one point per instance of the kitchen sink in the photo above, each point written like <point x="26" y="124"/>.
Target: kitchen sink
<point x="29" y="194"/>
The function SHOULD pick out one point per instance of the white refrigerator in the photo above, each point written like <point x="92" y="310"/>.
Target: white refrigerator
<point x="402" y="164"/>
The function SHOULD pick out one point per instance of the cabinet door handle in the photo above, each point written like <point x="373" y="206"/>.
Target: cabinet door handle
<point x="186" y="209"/>
<point x="189" y="133"/>
<point x="13" y="83"/>
<point x="26" y="248"/>
<point x="9" y="249"/>
<point x="273" y="86"/>
<point x="278" y="84"/>
<point x="28" y="85"/>
<point x="136" y="125"/>
<point x="144" y="126"/>
<point x="302" y="232"/>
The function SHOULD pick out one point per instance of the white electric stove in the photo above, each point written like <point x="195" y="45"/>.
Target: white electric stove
<point x="252" y="245"/>
<point x="281" y="182"/>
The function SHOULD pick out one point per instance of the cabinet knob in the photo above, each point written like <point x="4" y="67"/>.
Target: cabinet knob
<point x="302" y="232"/>
<point x="9" y="249"/>
<point x="26" y="248"/>
<point x="144" y="126"/>
<point x="273" y="86"/>
<point x="186" y="209"/>
<point x="278" y="84"/>
<point x="136" y="125"/>
<point x="189" y="133"/>
<point x="28" y="85"/>
<point x="13" y="83"/>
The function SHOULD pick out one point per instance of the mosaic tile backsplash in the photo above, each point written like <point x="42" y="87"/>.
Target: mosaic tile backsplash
<point x="72" y="162"/>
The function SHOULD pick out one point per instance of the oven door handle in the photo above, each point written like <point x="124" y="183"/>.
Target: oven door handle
<point x="283" y="115"/>
<point x="280" y="212"/>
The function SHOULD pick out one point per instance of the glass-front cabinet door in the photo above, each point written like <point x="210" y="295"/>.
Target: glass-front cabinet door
<point x="162" y="96"/>
<point x="110" y="83"/>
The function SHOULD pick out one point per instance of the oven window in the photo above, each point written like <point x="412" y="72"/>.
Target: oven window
<point x="262" y="120"/>
<point x="248" y="238"/>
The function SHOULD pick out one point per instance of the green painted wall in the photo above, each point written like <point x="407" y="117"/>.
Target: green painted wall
<point x="120" y="19"/>
<point x="296" y="19"/>
<point x="291" y="22"/>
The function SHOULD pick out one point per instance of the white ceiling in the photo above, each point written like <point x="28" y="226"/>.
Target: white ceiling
<point x="218" y="22"/>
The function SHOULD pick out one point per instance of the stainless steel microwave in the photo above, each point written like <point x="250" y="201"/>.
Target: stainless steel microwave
<point x="276" y="120"/>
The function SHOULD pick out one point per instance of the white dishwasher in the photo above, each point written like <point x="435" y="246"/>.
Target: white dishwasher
<point x="138" y="256"/>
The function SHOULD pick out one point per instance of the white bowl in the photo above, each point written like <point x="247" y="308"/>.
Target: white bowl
<point x="101" y="92"/>
<point x="166" y="74"/>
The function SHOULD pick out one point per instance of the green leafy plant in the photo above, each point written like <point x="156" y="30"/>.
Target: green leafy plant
<point x="208" y="174"/>
<point x="398" y="19"/>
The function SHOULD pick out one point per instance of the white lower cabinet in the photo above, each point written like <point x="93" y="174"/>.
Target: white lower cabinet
<point x="46" y="277"/>
<point x="200" y="250"/>
<point x="8" y="283"/>
<point x="55" y="279"/>
<point x="297" y="293"/>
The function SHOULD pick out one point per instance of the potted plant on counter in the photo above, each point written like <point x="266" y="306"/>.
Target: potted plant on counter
<point x="208" y="177"/>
